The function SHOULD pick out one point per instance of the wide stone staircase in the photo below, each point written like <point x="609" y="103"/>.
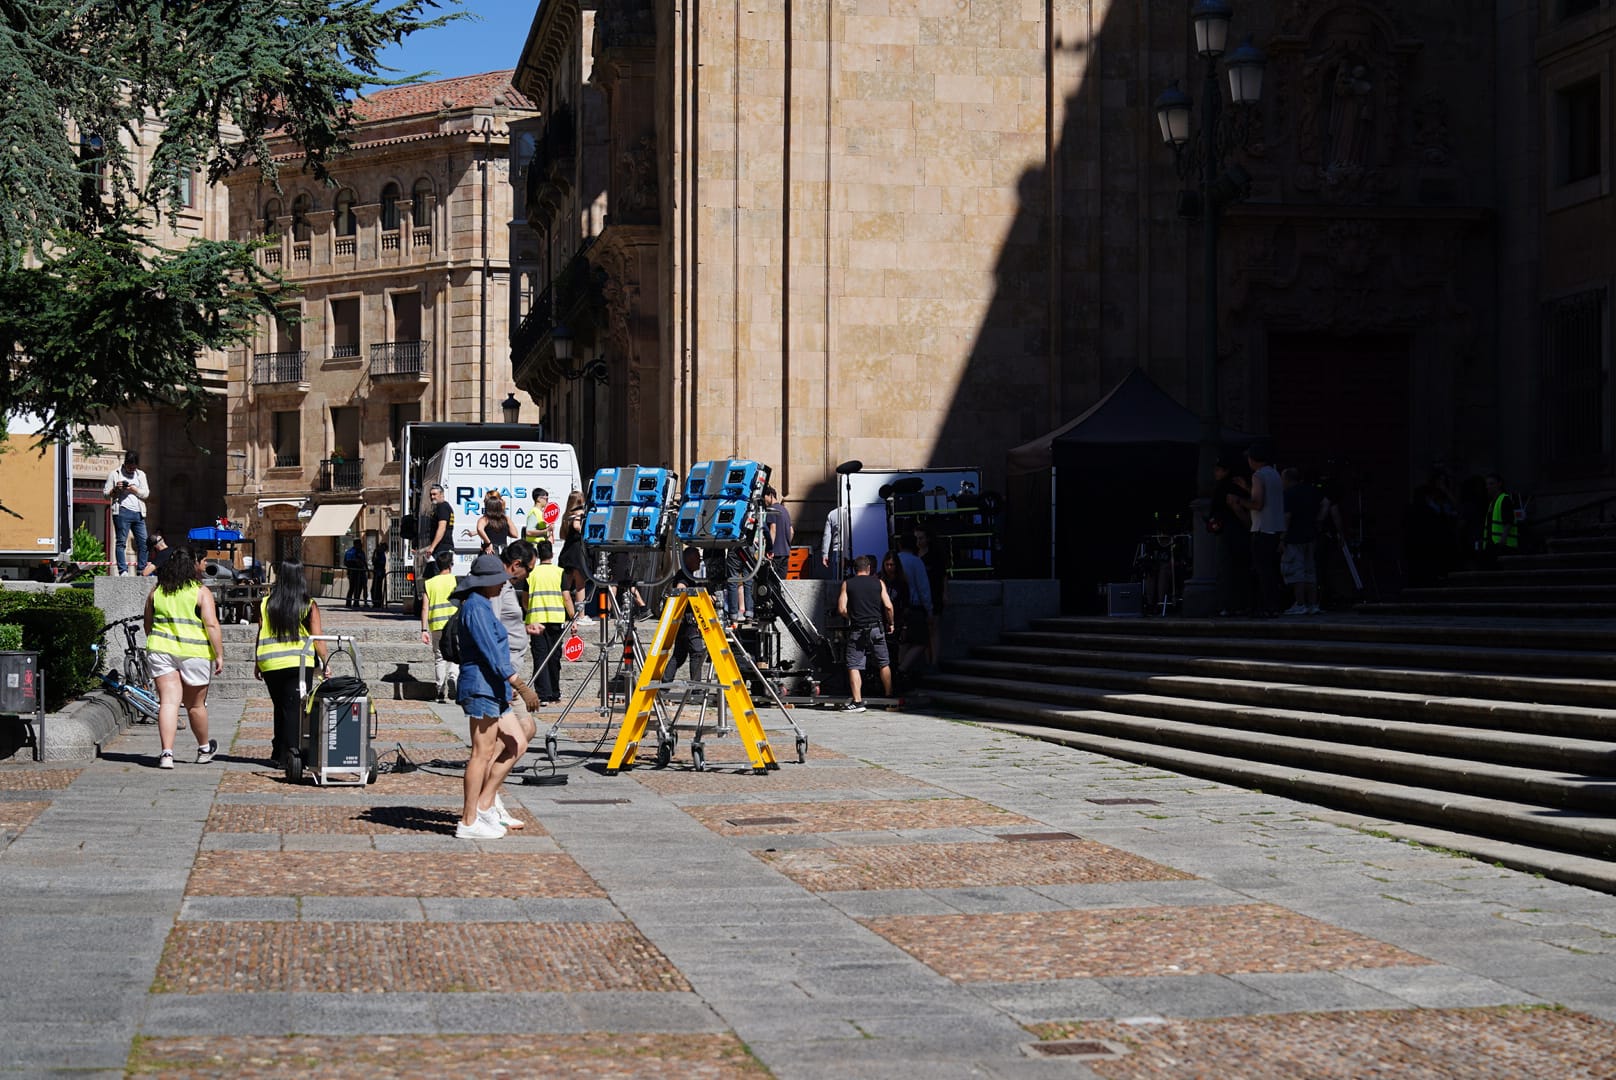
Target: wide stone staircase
<point x="1574" y="576"/>
<point x="1492" y="736"/>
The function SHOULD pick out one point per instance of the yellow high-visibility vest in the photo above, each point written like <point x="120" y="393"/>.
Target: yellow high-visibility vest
<point x="544" y="604"/>
<point x="176" y="627"/>
<point x="275" y="653"/>
<point x="1502" y="533"/>
<point x="438" y="605"/>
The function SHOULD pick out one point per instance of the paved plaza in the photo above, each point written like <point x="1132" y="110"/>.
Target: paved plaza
<point x="923" y="897"/>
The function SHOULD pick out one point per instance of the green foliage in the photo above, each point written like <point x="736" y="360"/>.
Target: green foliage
<point x="87" y="549"/>
<point x="103" y="318"/>
<point x="10" y="637"/>
<point x="60" y="625"/>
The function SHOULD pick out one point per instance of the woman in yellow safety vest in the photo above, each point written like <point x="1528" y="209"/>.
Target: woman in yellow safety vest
<point x="287" y="618"/>
<point x="549" y="610"/>
<point x="436" y="608"/>
<point x="185" y="649"/>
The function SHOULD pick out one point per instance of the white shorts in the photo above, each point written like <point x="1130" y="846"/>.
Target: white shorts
<point x="194" y="670"/>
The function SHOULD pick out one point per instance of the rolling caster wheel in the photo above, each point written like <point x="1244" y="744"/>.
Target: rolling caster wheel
<point x="802" y="749"/>
<point x="698" y="756"/>
<point x="664" y="754"/>
<point x="294" y="766"/>
<point x="373" y="771"/>
<point x="550" y="748"/>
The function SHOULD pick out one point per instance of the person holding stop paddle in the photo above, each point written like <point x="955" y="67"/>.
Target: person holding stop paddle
<point x="549" y="613"/>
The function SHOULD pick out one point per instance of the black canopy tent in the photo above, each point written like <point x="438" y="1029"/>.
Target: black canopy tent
<point x="1122" y="470"/>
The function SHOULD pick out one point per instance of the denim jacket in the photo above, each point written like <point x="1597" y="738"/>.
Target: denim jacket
<point x="485" y="655"/>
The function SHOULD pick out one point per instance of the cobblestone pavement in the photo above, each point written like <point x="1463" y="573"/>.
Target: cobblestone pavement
<point x="921" y="898"/>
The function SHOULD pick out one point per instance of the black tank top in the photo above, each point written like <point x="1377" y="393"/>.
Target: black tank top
<point x="864" y="601"/>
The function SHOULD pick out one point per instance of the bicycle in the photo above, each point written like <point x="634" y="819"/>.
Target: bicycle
<point x="133" y="686"/>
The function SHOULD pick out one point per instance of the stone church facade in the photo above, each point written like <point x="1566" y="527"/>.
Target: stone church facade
<point x="921" y="232"/>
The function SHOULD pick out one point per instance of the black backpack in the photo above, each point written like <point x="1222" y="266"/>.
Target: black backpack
<point x="449" y="639"/>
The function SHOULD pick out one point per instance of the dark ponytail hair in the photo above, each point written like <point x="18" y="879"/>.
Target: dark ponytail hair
<point x="288" y="601"/>
<point x="180" y="569"/>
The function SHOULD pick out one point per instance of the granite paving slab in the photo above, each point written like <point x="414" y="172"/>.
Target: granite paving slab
<point x="748" y="819"/>
<point x="788" y="777"/>
<point x="36" y="778"/>
<point x="1132" y="942"/>
<point x="1425" y="1044"/>
<point x="557" y="1057"/>
<point x="208" y="956"/>
<point x="367" y="873"/>
<point x="367" y="820"/>
<point x="943" y="866"/>
<point x="420" y="782"/>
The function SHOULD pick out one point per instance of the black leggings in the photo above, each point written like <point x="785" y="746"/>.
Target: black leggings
<point x="282" y="686"/>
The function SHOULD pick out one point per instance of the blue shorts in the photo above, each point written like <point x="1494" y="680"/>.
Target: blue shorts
<point x="481" y="707"/>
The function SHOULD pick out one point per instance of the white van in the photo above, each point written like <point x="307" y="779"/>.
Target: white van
<point x="467" y="471"/>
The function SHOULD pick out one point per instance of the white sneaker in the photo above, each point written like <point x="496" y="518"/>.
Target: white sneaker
<point x="505" y="817"/>
<point x="1295" y="609"/>
<point x="481" y="829"/>
<point x="1314" y="610"/>
<point x="165" y="760"/>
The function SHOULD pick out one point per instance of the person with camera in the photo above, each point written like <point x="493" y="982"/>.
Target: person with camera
<point x="864" y="603"/>
<point x="128" y="490"/>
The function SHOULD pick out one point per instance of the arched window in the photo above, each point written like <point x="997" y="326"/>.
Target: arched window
<point x="272" y="218"/>
<point x="344" y="218"/>
<point x="300" y="216"/>
<point x="421" y="204"/>
<point x="390" y="196"/>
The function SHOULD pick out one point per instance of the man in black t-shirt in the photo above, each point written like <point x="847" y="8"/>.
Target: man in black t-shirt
<point x="439" y="524"/>
<point x="864" y="603"/>
<point x="160" y="554"/>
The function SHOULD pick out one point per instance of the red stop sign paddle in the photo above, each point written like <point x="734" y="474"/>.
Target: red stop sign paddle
<point x="551" y="512"/>
<point x="574" y="648"/>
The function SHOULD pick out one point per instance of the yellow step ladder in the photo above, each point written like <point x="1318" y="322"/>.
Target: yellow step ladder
<point x="726" y="672"/>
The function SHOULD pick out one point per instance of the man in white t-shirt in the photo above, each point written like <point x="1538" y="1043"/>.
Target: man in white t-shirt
<point x="1267" y="505"/>
<point x="128" y="490"/>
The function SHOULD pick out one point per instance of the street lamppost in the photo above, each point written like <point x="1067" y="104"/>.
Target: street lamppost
<point x="511" y="408"/>
<point x="1219" y="184"/>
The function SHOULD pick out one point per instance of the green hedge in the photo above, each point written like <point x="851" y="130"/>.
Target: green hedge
<point x="60" y="625"/>
<point x="10" y="637"/>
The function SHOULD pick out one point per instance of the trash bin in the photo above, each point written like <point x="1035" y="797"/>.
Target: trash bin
<point x="19" y="682"/>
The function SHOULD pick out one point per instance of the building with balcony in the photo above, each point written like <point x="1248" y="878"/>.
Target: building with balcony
<point x="398" y="310"/>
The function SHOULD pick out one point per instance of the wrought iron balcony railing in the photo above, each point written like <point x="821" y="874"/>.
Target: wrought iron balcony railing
<point x="279" y="367"/>
<point x="342" y="475"/>
<point x="391" y="359"/>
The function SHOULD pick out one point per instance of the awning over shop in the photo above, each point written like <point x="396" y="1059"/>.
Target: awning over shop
<point x="281" y="500"/>
<point x="332" y="520"/>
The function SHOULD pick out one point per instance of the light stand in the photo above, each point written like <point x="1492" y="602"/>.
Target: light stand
<point x="844" y="542"/>
<point x="1219" y="185"/>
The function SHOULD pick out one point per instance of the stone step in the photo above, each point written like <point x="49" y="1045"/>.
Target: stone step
<point x="1582" y="544"/>
<point x="1560" y="560"/>
<point x="1537" y="634"/>
<point x="1519" y="661"/>
<point x="1556" y="725"/>
<point x="1500" y="609"/>
<point x="1532" y="576"/>
<point x="1518" y="594"/>
<point x="1593" y="693"/>
<point x="1322" y="773"/>
<point x="1226" y="704"/>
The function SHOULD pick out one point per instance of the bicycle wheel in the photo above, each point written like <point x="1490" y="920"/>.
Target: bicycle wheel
<point x="137" y="669"/>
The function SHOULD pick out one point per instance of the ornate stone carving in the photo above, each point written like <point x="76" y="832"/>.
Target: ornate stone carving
<point x="1431" y="130"/>
<point x="635" y="193"/>
<point x="1340" y="73"/>
<point x="624" y="24"/>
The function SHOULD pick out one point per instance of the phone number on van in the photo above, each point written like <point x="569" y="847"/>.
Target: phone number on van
<point x="488" y="459"/>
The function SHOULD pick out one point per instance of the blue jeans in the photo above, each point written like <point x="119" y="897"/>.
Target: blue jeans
<point x="122" y="522"/>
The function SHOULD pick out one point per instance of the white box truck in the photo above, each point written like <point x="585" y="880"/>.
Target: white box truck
<point x="469" y="461"/>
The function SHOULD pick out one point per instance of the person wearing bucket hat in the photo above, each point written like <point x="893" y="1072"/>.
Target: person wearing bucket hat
<point x="486" y="678"/>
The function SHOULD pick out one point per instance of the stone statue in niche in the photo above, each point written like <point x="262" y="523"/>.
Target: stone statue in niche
<point x="1352" y="117"/>
<point x="636" y="196"/>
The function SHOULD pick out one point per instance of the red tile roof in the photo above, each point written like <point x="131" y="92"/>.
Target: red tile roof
<point x="428" y="97"/>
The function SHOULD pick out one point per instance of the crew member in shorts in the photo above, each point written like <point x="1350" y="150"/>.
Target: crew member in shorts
<point x="864" y="603"/>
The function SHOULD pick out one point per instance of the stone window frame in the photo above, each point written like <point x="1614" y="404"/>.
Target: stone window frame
<point x="269" y="220"/>
<point x="330" y="335"/>
<point x="382" y="203"/>
<point x="337" y="215"/>
<point x="1605" y="288"/>
<point x="1557" y="194"/>
<point x="303" y="204"/>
